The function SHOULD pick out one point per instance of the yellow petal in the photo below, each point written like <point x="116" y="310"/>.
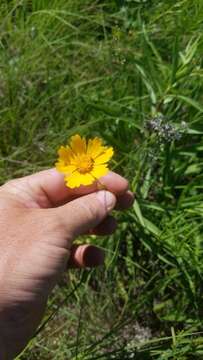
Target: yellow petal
<point x="76" y="179"/>
<point x="78" y="144"/>
<point x="99" y="171"/>
<point x="60" y="166"/>
<point x="105" y="157"/>
<point x="72" y="181"/>
<point x="70" y="168"/>
<point x="86" y="179"/>
<point x="65" y="169"/>
<point x="95" y="147"/>
<point x="65" y="154"/>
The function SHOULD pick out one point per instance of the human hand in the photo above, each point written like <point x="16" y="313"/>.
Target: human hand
<point x="40" y="218"/>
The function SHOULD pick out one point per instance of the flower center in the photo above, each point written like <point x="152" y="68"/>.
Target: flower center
<point x="84" y="164"/>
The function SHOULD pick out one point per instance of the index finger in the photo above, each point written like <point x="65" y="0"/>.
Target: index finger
<point x="50" y="183"/>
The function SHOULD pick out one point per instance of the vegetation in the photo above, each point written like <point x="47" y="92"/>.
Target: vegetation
<point x="130" y="72"/>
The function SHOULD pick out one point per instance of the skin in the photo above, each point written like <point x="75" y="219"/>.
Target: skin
<point x="40" y="219"/>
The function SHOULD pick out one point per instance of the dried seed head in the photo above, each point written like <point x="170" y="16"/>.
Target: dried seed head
<point x="165" y="131"/>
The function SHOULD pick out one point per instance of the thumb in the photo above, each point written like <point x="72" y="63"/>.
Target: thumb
<point x="86" y="212"/>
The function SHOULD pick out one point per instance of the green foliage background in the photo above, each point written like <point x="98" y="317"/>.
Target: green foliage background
<point x="110" y="68"/>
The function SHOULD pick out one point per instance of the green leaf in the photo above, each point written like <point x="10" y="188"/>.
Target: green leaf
<point x="152" y="227"/>
<point x="138" y="212"/>
<point x="188" y="101"/>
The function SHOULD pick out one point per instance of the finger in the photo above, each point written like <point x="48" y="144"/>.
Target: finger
<point x="124" y="201"/>
<point x="106" y="227"/>
<point x="109" y="225"/>
<point x="47" y="188"/>
<point x="85" y="213"/>
<point x="59" y="194"/>
<point x="112" y="182"/>
<point x="85" y="256"/>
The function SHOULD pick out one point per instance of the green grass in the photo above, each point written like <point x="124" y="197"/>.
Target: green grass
<point x="109" y="68"/>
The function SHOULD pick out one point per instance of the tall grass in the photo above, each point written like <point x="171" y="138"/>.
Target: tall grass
<point x="130" y="72"/>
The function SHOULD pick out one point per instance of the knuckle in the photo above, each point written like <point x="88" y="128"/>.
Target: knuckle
<point x="48" y="222"/>
<point x="13" y="186"/>
<point x="55" y="220"/>
<point x="8" y="184"/>
<point x="89" y="210"/>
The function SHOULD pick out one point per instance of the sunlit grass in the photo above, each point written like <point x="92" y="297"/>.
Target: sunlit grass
<point x="110" y="69"/>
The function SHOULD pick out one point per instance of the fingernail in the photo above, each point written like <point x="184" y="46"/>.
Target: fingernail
<point x="107" y="199"/>
<point x="93" y="256"/>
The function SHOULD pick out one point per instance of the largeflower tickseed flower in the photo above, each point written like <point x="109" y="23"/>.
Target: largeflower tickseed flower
<point x="83" y="162"/>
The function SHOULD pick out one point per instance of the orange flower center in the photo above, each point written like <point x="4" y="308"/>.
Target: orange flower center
<point x="84" y="164"/>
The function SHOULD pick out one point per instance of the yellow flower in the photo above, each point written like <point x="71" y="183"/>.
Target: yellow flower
<point x="83" y="162"/>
